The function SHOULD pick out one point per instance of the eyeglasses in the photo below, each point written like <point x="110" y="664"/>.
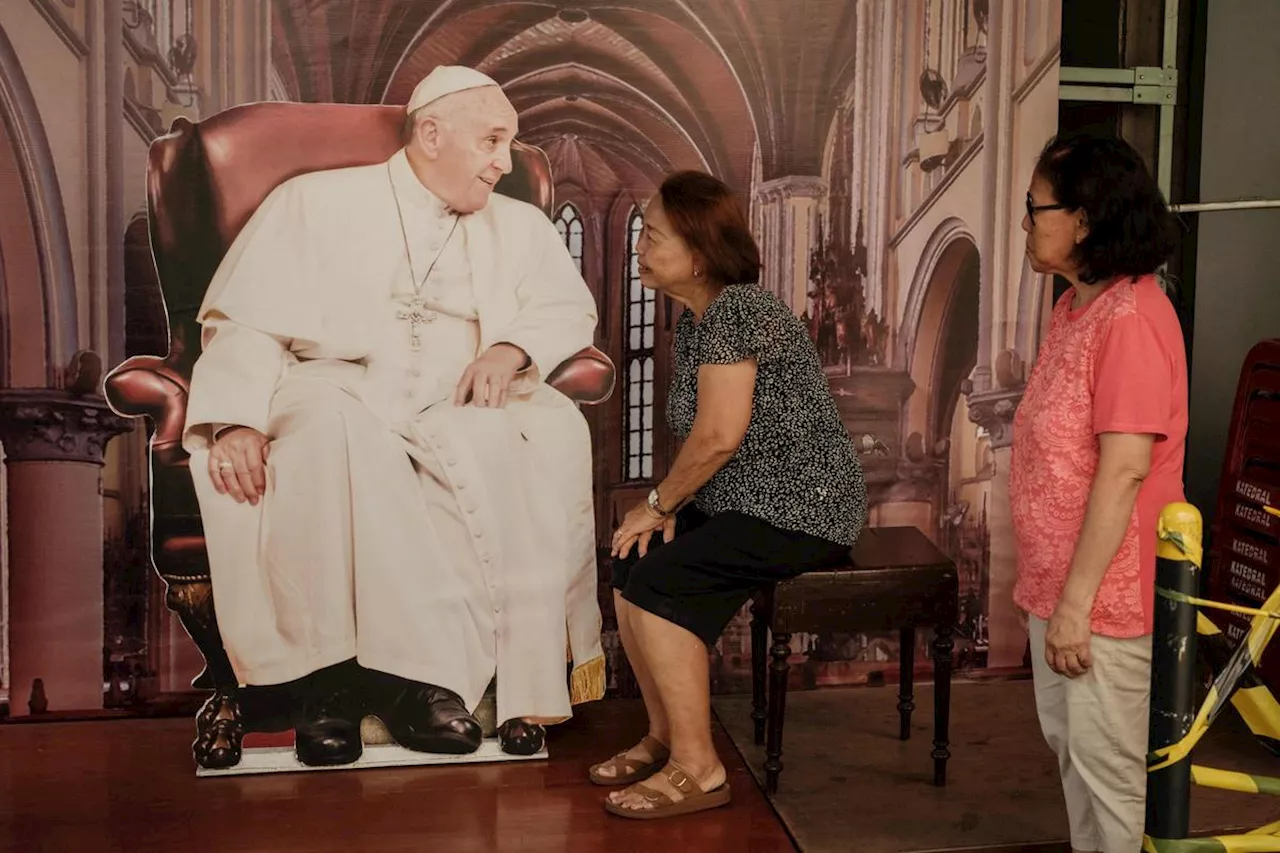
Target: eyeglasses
<point x="1032" y="207"/>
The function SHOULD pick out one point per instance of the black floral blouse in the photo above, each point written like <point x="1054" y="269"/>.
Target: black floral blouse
<point x="797" y="467"/>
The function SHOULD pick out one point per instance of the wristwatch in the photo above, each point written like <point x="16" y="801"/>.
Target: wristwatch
<point x="655" y="505"/>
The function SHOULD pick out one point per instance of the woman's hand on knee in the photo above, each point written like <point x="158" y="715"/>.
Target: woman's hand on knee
<point x="637" y="529"/>
<point x="1066" y="640"/>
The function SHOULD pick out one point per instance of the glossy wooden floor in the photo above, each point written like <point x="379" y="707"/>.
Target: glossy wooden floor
<point x="129" y="786"/>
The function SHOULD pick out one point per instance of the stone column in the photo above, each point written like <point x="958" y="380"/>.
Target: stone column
<point x="881" y="167"/>
<point x="788" y="209"/>
<point x="54" y="453"/>
<point x="992" y="245"/>
<point x="993" y="410"/>
<point x="113" y="217"/>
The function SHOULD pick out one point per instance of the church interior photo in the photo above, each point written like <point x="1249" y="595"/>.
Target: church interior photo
<point x="882" y="150"/>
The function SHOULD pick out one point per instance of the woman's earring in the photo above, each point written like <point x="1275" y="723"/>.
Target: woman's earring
<point x="696" y="272"/>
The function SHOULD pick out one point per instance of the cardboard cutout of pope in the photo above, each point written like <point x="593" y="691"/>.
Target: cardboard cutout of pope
<point x="397" y="507"/>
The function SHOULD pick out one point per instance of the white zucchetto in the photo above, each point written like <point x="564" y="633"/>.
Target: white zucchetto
<point x="445" y="80"/>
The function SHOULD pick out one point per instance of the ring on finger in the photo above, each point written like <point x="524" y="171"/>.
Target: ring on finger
<point x="226" y="466"/>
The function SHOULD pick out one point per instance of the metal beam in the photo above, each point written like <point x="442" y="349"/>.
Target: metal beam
<point x="1169" y="58"/>
<point x="1143" y="75"/>
<point x="1118" y="95"/>
<point x="1145" y="85"/>
<point x="1081" y="74"/>
<point x="1209" y="206"/>
<point x="1156" y="96"/>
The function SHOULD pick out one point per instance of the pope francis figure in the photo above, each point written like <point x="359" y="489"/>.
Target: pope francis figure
<point x="397" y="506"/>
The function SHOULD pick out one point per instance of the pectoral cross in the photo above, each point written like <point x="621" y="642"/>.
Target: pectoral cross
<point x="417" y="315"/>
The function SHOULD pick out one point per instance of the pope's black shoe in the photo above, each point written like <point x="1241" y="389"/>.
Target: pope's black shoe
<point x="426" y="718"/>
<point x="517" y="737"/>
<point x="328" y="728"/>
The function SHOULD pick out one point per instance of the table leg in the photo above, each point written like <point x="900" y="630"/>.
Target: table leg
<point x="777" y="709"/>
<point x="942" y="646"/>
<point x="906" y="680"/>
<point x="760" y="606"/>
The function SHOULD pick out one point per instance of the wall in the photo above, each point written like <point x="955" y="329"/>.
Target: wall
<point x="94" y="83"/>
<point x="859" y="177"/>
<point x="1237" y="277"/>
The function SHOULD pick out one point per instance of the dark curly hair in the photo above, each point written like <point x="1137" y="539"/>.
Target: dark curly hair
<point x="708" y="216"/>
<point x="1131" y="229"/>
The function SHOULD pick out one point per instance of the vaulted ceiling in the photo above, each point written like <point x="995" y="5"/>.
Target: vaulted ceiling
<point x="618" y="92"/>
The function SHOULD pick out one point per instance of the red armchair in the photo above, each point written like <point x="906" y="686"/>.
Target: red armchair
<point x="203" y="183"/>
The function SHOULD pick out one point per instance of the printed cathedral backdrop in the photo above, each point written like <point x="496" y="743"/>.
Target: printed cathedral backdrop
<point x="883" y="148"/>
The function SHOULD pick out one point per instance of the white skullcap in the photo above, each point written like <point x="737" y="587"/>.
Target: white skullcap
<point x="445" y="80"/>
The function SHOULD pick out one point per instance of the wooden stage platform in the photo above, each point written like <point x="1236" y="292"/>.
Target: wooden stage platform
<point x="130" y="786"/>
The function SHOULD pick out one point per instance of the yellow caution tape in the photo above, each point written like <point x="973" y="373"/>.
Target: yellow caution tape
<point x="1253" y="842"/>
<point x="1251" y="698"/>
<point x="1179" y="538"/>
<point x="1249" y="653"/>
<point x="1264" y="839"/>
<point x="1231" y="780"/>
<point x="1174" y="595"/>
<point x="1178" y="533"/>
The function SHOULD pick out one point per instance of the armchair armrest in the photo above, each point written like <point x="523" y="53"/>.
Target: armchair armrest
<point x="147" y="386"/>
<point x="586" y="377"/>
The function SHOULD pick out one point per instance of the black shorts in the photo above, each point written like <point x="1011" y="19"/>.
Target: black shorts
<point x="703" y="576"/>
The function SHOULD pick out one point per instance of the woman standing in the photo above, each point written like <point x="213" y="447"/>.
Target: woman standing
<point x="767" y="485"/>
<point x="1097" y="452"/>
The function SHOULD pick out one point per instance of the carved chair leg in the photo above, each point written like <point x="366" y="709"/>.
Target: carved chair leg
<point x="193" y="602"/>
<point x="906" y="680"/>
<point x="778" y="670"/>
<point x="942" y="646"/>
<point x="761" y="607"/>
<point x="220" y="723"/>
<point x="219" y="732"/>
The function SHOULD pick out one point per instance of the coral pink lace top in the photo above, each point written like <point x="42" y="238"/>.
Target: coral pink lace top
<point x="1117" y="364"/>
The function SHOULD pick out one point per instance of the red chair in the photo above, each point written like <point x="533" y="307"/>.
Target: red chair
<point x="203" y="183"/>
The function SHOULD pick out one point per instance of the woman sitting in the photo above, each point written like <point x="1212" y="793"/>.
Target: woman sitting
<point x="767" y="484"/>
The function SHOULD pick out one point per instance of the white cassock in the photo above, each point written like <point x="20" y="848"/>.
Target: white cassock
<point x="439" y="543"/>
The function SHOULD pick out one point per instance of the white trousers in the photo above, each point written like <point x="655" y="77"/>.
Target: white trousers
<point x="439" y="553"/>
<point x="1097" y="726"/>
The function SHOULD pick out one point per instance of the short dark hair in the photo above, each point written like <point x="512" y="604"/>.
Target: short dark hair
<point x="1131" y="229"/>
<point x="708" y="216"/>
<point x="409" y="127"/>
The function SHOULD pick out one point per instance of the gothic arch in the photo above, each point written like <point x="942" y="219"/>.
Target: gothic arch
<point x="564" y="203"/>
<point x="938" y="344"/>
<point x="946" y="244"/>
<point x="571" y="223"/>
<point x="616" y="221"/>
<point x="683" y="13"/>
<point x="645" y="83"/>
<point x="37" y="249"/>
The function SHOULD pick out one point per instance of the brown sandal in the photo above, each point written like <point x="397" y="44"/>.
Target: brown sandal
<point x="628" y="770"/>
<point x="695" y="799"/>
